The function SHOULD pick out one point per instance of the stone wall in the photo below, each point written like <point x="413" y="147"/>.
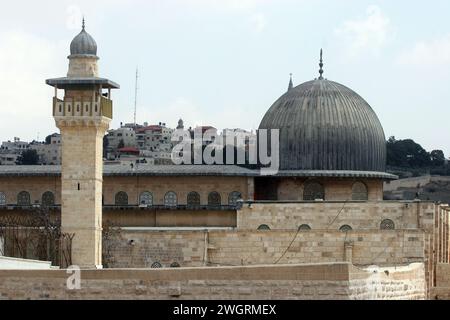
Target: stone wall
<point x="134" y="186"/>
<point x="317" y="281"/>
<point x="441" y="291"/>
<point x="291" y="189"/>
<point x="195" y="248"/>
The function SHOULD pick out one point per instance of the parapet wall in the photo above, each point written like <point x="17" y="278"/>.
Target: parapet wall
<point x="332" y="215"/>
<point x="317" y="281"/>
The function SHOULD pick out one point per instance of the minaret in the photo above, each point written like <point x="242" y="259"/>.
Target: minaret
<point x="83" y="116"/>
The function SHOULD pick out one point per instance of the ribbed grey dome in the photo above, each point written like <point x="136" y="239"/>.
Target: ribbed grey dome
<point x="83" y="44"/>
<point x="326" y="126"/>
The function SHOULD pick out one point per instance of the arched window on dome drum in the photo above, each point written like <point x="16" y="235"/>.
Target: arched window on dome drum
<point x="48" y="199"/>
<point x="121" y="199"/>
<point x="359" y="191"/>
<point x="387" y="224"/>
<point x="193" y="199"/>
<point x="170" y="199"/>
<point x="214" y="199"/>
<point x="174" y="265"/>
<point x="146" y="199"/>
<point x="313" y="191"/>
<point x="345" y="228"/>
<point x="2" y="199"/>
<point x="233" y="198"/>
<point x="304" y="227"/>
<point x="263" y="227"/>
<point x="23" y="199"/>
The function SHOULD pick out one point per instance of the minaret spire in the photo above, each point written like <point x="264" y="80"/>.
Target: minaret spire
<point x="291" y="85"/>
<point x="321" y="65"/>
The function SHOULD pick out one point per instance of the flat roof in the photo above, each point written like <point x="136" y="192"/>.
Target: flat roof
<point x="64" y="82"/>
<point x="189" y="170"/>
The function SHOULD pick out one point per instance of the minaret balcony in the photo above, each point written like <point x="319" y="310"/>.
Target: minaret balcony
<point x="100" y="107"/>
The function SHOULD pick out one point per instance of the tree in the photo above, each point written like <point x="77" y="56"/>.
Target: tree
<point x="437" y="158"/>
<point x="28" y="158"/>
<point x="48" y="139"/>
<point x="406" y="153"/>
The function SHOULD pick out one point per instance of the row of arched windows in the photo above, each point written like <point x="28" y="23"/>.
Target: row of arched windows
<point x="145" y="198"/>
<point x="314" y="190"/>
<point x="386" y="224"/>
<point x="24" y="199"/>
<point x="171" y="199"/>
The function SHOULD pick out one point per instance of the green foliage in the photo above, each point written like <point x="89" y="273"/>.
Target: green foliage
<point x="437" y="158"/>
<point x="407" y="155"/>
<point x="28" y="157"/>
<point x="48" y="139"/>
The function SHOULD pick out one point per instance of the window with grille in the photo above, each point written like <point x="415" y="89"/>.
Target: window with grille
<point x="170" y="199"/>
<point x="313" y="191"/>
<point x="23" y="199"/>
<point x="234" y="197"/>
<point x="121" y="199"/>
<point x="193" y="199"/>
<point x="214" y="199"/>
<point x="387" y="224"/>
<point x="345" y="228"/>
<point x="146" y="198"/>
<point x="48" y="199"/>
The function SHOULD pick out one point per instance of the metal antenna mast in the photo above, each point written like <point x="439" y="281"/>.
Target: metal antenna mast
<point x="135" y="96"/>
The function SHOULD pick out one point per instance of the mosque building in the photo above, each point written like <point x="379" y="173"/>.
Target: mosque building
<point x="324" y="205"/>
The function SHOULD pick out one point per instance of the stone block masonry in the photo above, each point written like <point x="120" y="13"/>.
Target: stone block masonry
<point x="340" y="281"/>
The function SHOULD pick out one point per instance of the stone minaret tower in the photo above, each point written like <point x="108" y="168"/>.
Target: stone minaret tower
<point x="83" y="115"/>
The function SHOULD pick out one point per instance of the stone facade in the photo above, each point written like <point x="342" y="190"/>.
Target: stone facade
<point x="228" y="247"/>
<point x="339" y="281"/>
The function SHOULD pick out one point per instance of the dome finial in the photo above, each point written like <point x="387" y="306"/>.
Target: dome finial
<point x="83" y="24"/>
<point x="291" y="85"/>
<point x="321" y="65"/>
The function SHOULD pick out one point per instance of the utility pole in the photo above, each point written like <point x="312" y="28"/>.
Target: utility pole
<point x="135" y="96"/>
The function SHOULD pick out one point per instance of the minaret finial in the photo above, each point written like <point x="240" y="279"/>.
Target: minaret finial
<point x="321" y="65"/>
<point x="291" y="85"/>
<point x="83" y="23"/>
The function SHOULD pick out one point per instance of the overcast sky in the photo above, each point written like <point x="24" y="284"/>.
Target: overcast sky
<point x="223" y="63"/>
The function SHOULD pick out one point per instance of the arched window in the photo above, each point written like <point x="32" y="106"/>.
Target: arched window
<point x="48" y="199"/>
<point x="304" y="227"/>
<point x="156" y="265"/>
<point x="387" y="224"/>
<point x="345" y="228"/>
<point x="2" y="199"/>
<point x="359" y="191"/>
<point x="121" y="199"/>
<point x="313" y="191"/>
<point x="174" y="265"/>
<point x="263" y="227"/>
<point x="233" y="198"/>
<point x="193" y="199"/>
<point x="23" y="199"/>
<point x="214" y="199"/>
<point x="146" y="199"/>
<point x="170" y="199"/>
